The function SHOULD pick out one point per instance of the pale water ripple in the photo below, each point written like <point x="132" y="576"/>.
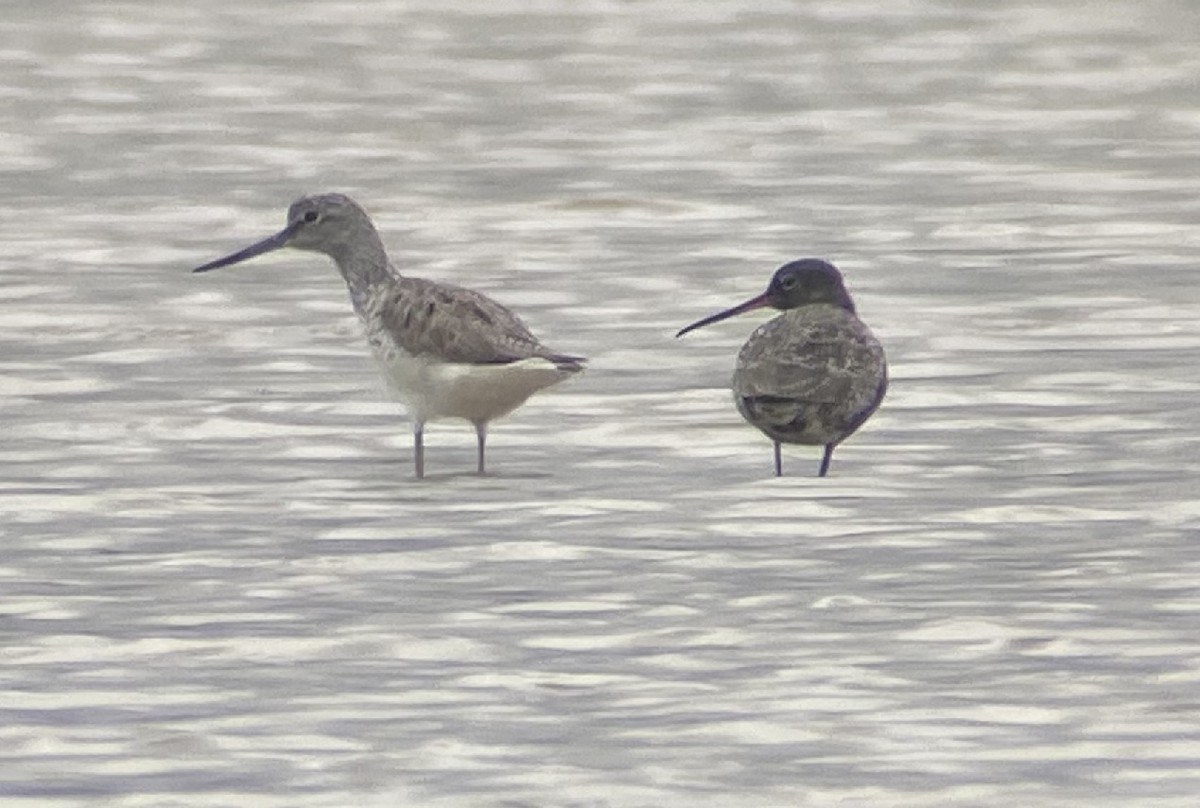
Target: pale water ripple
<point x="220" y="585"/>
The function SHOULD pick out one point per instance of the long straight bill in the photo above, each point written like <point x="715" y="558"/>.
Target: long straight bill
<point x="750" y="305"/>
<point x="276" y="241"/>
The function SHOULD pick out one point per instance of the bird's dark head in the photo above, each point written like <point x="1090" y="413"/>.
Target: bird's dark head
<point x="806" y="282"/>
<point x="319" y="222"/>
<point x="323" y="223"/>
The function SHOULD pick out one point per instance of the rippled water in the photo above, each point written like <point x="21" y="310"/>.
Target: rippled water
<point x="220" y="585"/>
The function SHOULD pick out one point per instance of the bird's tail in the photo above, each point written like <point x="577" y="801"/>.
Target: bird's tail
<point x="568" y="363"/>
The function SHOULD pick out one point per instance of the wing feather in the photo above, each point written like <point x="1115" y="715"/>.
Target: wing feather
<point x="455" y="324"/>
<point x="811" y="375"/>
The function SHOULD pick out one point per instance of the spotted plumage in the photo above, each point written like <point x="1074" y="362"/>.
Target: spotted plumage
<point x="453" y="324"/>
<point x="814" y="374"/>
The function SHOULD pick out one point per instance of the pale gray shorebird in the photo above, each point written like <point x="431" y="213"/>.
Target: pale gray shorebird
<point x="448" y="352"/>
<point x="815" y="373"/>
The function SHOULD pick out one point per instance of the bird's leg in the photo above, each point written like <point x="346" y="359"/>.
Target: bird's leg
<point x="480" y="439"/>
<point x="419" y="447"/>
<point x="826" y="458"/>
<point x="778" y="460"/>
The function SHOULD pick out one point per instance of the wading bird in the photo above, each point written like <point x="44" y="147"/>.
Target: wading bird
<point x="815" y="373"/>
<point x="448" y="352"/>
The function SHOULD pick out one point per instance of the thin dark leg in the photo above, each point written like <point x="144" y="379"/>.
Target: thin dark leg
<point x="778" y="460"/>
<point x="419" y="447"/>
<point x="481" y="439"/>
<point x="825" y="460"/>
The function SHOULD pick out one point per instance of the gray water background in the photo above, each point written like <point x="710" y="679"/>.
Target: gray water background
<point x="221" y="586"/>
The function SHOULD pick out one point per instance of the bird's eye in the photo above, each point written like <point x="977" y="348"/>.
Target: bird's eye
<point x="788" y="281"/>
<point x="311" y="216"/>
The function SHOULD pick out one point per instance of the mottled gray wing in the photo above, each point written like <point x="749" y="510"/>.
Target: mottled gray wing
<point x="810" y="373"/>
<point x="458" y="325"/>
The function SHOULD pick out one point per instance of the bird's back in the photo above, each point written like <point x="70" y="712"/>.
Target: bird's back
<point x="452" y="324"/>
<point x="812" y="375"/>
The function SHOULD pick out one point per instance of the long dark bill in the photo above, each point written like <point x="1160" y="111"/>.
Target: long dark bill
<point x="750" y="305"/>
<point x="276" y="241"/>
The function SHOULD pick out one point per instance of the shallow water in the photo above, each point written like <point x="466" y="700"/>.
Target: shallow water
<point x="220" y="584"/>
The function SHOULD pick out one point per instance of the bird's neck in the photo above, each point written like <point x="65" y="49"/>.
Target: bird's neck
<point x="842" y="299"/>
<point x="364" y="265"/>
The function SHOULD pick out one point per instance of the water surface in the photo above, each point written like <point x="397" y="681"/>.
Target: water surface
<point x="220" y="584"/>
